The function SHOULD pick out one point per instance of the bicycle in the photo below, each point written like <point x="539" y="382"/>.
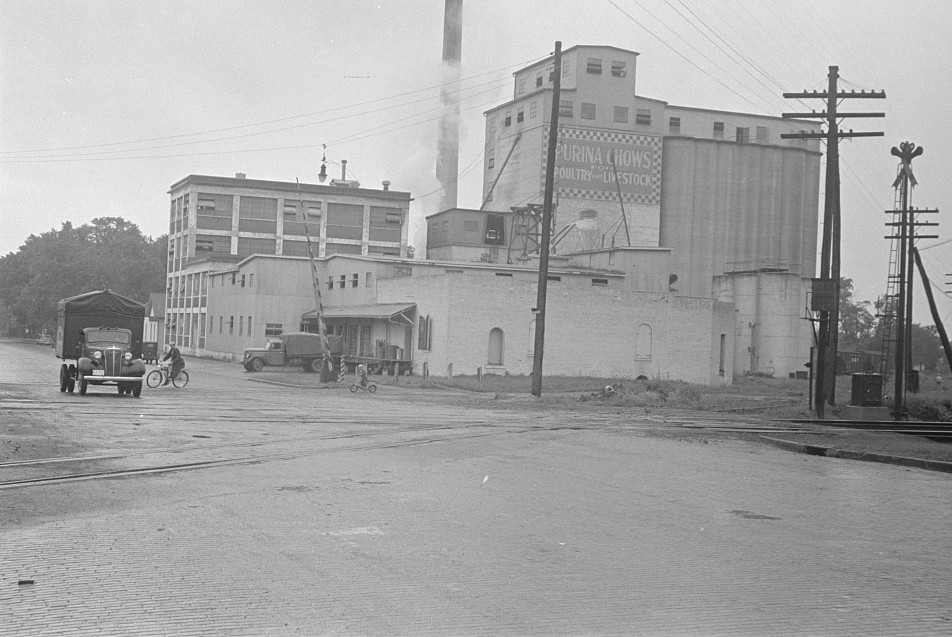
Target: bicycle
<point x="365" y="383"/>
<point x="158" y="377"/>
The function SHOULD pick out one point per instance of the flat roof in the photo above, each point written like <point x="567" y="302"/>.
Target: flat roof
<point x="286" y="186"/>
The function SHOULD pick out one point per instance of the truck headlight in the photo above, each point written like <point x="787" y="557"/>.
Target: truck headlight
<point x="97" y="355"/>
<point x="127" y="356"/>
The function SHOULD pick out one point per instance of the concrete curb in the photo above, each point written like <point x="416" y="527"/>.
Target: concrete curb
<point x="846" y="454"/>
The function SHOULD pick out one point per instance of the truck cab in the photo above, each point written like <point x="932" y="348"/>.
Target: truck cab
<point x="106" y="357"/>
<point x="256" y="358"/>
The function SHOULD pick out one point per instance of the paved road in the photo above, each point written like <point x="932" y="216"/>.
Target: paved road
<point x="236" y="507"/>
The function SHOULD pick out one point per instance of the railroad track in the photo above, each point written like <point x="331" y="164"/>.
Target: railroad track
<point x="941" y="431"/>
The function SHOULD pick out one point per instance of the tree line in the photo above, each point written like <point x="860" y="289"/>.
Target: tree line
<point x="861" y="331"/>
<point x="107" y="253"/>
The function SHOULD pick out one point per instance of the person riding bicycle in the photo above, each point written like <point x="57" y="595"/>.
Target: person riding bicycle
<point x="361" y="373"/>
<point x="178" y="363"/>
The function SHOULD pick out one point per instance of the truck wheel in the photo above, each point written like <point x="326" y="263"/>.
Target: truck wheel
<point x="71" y="378"/>
<point x="64" y="377"/>
<point x="256" y="364"/>
<point x="315" y="365"/>
<point x="82" y="384"/>
<point x="122" y="388"/>
<point x="136" y="389"/>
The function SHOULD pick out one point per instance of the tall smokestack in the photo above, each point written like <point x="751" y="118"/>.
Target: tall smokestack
<point x="447" y="161"/>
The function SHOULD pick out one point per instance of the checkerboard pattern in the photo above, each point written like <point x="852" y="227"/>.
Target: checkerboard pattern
<point x="651" y="142"/>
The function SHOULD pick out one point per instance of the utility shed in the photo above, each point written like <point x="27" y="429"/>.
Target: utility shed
<point x="101" y="308"/>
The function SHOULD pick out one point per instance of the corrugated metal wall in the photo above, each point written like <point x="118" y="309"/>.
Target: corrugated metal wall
<point x="728" y="207"/>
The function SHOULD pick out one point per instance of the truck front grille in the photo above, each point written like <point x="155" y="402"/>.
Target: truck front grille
<point x="112" y="361"/>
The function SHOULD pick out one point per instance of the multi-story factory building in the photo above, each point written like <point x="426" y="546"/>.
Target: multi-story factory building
<point x="684" y="243"/>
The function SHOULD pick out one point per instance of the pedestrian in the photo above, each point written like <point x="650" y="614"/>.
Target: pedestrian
<point x="938" y="379"/>
<point x="178" y="363"/>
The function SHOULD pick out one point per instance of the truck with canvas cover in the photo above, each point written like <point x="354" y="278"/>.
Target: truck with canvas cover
<point x="99" y="339"/>
<point x="296" y="348"/>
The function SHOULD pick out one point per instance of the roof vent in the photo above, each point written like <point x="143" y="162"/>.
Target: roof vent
<point x="386" y="184"/>
<point x="240" y="175"/>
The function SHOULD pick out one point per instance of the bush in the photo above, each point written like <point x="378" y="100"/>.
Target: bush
<point x="929" y="408"/>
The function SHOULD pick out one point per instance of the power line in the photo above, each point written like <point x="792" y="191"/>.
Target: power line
<point x="283" y="119"/>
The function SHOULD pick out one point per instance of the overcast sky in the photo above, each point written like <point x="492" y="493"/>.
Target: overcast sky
<point x="105" y="104"/>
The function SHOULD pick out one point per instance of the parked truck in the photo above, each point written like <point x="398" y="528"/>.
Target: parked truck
<point x="296" y="349"/>
<point x="99" y="339"/>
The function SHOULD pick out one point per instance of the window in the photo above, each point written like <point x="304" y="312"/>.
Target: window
<point x="231" y="326"/>
<point x="206" y="204"/>
<point x="249" y="326"/>
<point x="588" y="111"/>
<point x="718" y="130"/>
<point x="554" y="278"/>
<point x="330" y="283"/>
<point x="743" y="135"/>
<point x="618" y="69"/>
<point x="241" y="326"/>
<point x="495" y="347"/>
<point x="643" y="117"/>
<point x="251" y="280"/>
<point x="367" y="280"/>
<point x="521" y="85"/>
<point x="490" y="159"/>
<point x="242" y="280"/>
<point x="533" y="106"/>
<point x="674" y="125"/>
<point x="504" y="274"/>
<point x="594" y="66"/>
<point x="643" y="343"/>
<point x="471" y="225"/>
<point x="566" y="66"/>
<point x="234" y="277"/>
<point x="600" y="282"/>
<point x="400" y="271"/>
<point x="221" y="323"/>
<point x="273" y="329"/>
<point x="520" y="115"/>
<point x="761" y="135"/>
<point x="508" y="120"/>
<point x="621" y="114"/>
<point x="565" y="108"/>
<point x="343" y="281"/>
<point x="539" y="79"/>
<point x="353" y="280"/>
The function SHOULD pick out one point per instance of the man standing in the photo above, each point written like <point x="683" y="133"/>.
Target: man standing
<point x="178" y="363"/>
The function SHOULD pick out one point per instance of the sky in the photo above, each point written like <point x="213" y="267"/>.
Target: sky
<point x="104" y="104"/>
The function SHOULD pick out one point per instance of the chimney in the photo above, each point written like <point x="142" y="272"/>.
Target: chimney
<point x="447" y="161"/>
<point x="240" y="175"/>
<point x="386" y="185"/>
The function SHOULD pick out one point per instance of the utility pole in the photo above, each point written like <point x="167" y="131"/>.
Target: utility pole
<point x="546" y="224"/>
<point x="327" y="364"/>
<point x="905" y="180"/>
<point x="830" y="247"/>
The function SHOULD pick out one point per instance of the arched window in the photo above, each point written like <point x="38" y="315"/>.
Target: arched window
<point x="495" y="346"/>
<point x="643" y="343"/>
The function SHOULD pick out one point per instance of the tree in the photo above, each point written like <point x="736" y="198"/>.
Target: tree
<point x="108" y="253"/>
<point x="857" y="325"/>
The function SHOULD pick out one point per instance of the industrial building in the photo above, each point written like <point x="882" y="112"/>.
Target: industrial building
<point x="684" y="241"/>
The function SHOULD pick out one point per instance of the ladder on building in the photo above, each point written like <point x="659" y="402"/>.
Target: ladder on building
<point x="889" y="311"/>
